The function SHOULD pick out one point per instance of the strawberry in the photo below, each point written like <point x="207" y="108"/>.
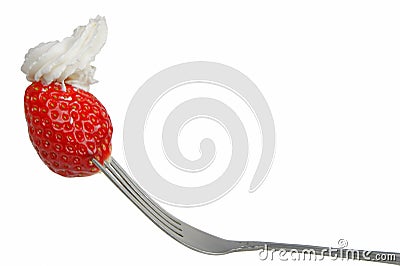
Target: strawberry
<point x="68" y="127"/>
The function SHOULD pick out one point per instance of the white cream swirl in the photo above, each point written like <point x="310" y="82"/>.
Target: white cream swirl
<point x="69" y="60"/>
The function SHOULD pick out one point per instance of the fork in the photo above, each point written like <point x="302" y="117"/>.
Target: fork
<point x="206" y="243"/>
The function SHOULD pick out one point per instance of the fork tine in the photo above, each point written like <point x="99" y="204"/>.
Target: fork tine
<point x="157" y="208"/>
<point x="142" y="204"/>
<point x="142" y="197"/>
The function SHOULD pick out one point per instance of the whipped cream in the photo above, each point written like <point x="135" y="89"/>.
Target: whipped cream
<point x="68" y="61"/>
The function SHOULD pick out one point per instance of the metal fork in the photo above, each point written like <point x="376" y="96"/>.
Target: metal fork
<point x="206" y="243"/>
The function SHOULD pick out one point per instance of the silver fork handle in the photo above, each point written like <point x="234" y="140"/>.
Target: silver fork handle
<point x="286" y="251"/>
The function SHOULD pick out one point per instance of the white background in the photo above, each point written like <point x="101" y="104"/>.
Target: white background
<point x="330" y="73"/>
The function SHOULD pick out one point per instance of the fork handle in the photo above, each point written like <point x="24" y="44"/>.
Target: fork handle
<point x="286" y="251"/>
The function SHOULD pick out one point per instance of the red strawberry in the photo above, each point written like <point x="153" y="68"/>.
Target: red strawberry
<point x="67" y="128"/>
